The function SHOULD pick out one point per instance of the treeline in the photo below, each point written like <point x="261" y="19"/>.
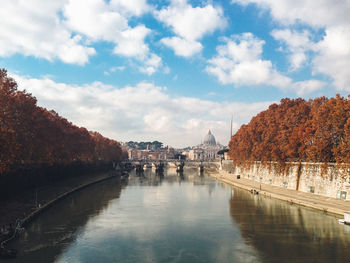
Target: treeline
<point x="155" y="145"/>
<point x="33" y="136"/>
<point x="316" y="130"/>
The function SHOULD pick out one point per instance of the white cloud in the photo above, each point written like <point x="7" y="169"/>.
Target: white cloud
<point x="189" y="24"/>
<point x="159" y="120"/>
<point x="82" y="16"/>
<point x="33" y="28"/>
<point x="308" y="86"/>
<point x="238" y="61"/>
<point x="316" y="13"/>
<point x="333" y="58"/>
<point x="131" y="43"/>
<point x="297" y="44"/>
<point x="151" y="64"/>
<point x="131" y="7"/>
<point x="64" y="29"/>
<point x="94" y="19"/>
<point x="114" y="69"/>
<point x="330" y="55"/>
<point x="182" y="46"/>
<point x="141" y="112"/>
<point x="333" y="49"/>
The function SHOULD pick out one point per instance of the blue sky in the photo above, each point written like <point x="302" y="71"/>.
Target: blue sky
<point x="171" y="70"/>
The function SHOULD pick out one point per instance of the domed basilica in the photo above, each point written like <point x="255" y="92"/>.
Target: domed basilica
<point x="207" y="150"/>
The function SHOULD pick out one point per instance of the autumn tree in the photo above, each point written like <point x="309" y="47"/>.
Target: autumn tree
<point x="296" y="130"/>
<point x="31" y="135"/>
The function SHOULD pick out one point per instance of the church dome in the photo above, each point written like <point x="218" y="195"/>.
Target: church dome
<point x="209" y="139"/>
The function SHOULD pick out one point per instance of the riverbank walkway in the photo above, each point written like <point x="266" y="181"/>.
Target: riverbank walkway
<point x="326" y="204"/>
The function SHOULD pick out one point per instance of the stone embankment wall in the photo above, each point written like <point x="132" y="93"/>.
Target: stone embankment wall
<point x="328" y="180"/>
<point x="207" y="164"/>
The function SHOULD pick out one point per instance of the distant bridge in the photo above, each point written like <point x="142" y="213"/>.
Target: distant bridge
<point x="179" y="164"/>
<point x="171" y="161"/>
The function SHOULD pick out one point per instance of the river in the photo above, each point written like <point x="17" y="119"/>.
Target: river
<point x="173" y="218"/>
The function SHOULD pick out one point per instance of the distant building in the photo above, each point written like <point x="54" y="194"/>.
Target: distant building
<point x="136" y="154"/>
<point x="207" y="150"/>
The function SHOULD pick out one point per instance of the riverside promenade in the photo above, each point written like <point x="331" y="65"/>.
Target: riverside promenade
<point x="326" y="204"/>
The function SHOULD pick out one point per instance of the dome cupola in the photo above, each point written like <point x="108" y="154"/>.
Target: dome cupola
<point x="209" y="139"/>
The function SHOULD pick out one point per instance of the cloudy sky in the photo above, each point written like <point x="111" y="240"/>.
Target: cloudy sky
<point x="171" y="70"/>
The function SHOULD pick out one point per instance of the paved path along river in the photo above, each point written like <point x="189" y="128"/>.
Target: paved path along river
<point x="188" y="218"/>
<point x="323" y="203"/>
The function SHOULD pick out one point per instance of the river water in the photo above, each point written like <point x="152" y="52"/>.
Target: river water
<point x="173" y="218"/>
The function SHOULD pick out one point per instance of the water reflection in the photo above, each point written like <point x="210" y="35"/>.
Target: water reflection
<point x="59" y="226"/>
<point x="163" y="219"/>
<point x="180" y="218"/>
<point x="289" y="233"/>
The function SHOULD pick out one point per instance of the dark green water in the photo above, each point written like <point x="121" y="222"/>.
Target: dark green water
<point x="180" y="219"/>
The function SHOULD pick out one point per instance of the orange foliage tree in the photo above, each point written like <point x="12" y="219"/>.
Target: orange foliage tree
<point x="31" y="135"/>
<point x="316" y="130"/>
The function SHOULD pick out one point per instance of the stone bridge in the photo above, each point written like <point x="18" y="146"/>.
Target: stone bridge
<point x="175" y="163"/>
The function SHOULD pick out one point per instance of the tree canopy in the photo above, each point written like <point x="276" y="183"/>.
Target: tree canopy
<point x="317" y="130"/>
<point x="31" y="135"/>
<point x="155" y="145"/>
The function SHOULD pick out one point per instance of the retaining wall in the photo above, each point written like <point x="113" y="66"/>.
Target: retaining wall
<point x="328" y="180"/>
